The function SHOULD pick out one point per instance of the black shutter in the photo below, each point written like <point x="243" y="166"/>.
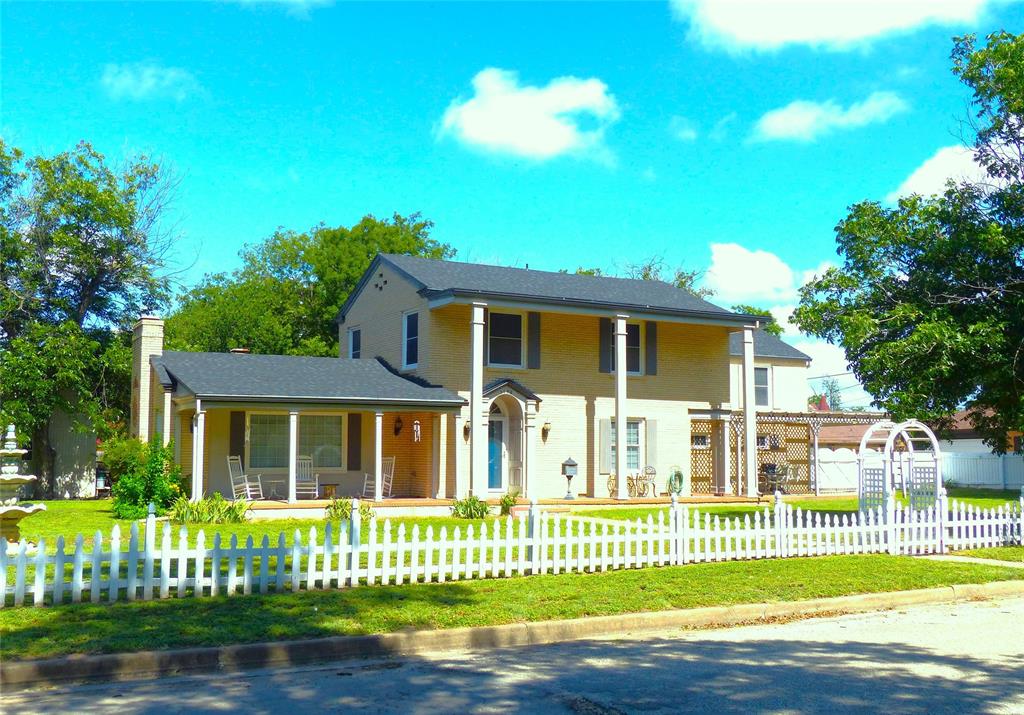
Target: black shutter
<point x="236" y="439"/>
<point x="651" y="347"/>
<point x="355" y="441"/>
<point x="604" y="345"/>
<point x="487" y="336"/>
<point x="533" y="341"/>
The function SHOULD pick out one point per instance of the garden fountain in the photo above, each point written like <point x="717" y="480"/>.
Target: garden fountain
<point x="11" y="512"/>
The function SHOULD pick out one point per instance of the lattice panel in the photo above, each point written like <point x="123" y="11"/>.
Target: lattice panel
<point x="788" y="443"/>
<point x="921" y="487"/>
<point x="702" y="461"/>
<point x="872" y="487"/>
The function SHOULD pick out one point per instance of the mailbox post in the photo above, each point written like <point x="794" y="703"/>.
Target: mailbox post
<point x="569" y="471"/>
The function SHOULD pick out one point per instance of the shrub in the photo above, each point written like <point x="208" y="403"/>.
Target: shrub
<point x="156" y="478"/>
<point x="341" y="510"/>
<point x="122" y="454"/>
<point x="211" y="510"/>
<point x="508" y="500"/>
<point x="470" y="508"/>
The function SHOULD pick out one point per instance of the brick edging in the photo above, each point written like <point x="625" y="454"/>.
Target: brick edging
<point x="19" y="675"/>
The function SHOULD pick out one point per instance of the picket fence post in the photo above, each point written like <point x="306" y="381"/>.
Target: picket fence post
<point x="148" y="548"/>
<point x="354" y="544"/>
<point x="532" y="524"/>
<point x="889" y="515"/>
<point x="942" y="507"/>
<point x="779" y="551"/>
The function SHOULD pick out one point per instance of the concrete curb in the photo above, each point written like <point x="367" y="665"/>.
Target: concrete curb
<point x="153" y="664"/>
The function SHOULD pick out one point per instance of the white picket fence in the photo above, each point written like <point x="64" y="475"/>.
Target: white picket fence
<point x="536" y="543"/>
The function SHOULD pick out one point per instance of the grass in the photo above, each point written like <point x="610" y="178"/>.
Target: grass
<point x="125" y="627"/>
<point x="998" y="553"/>
<point x="68" y="518"/>
<point x="984" y="498"/>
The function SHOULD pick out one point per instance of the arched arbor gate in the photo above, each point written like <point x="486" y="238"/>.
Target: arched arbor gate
<point x="904" y="455"/>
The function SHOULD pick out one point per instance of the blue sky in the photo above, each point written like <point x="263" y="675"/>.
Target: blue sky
<point x="727" y="135"/>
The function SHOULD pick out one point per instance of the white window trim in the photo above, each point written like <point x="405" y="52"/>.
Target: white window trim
<point x="522" y="341"/>
<point x="771" y="384"/>
<point x="279" y="471"/>
<point x="643" y="350"/>
<point x="405" y="338"/>
<point x="355" y="329"/>
<point x="641" y="443"/>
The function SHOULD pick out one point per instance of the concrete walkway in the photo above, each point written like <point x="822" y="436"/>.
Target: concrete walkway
<point x="966" y="657"/>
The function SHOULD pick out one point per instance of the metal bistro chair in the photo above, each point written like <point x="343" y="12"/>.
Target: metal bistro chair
<point x="387" y="468"/>
<point x="243" y="486"/>
<point x="307" y="484"/>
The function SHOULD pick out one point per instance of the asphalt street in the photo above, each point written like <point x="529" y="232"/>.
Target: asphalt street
<point x="963" y="658"/>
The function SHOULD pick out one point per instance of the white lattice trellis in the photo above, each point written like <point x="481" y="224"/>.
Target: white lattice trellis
<point x="893" y="456"/>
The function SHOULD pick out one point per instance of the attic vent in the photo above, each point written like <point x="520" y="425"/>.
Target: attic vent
<point x="239" y="351"/>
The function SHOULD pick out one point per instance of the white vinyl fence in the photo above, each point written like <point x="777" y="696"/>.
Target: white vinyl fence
<point x="143" y="569"/>
<point x="989" y="471"/>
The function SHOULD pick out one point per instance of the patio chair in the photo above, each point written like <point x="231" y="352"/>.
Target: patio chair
<point x="307" y="484"/>
<point x="387" y="468"/>
<point x="243" y="486"/>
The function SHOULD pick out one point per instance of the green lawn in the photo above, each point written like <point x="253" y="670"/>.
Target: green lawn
<point x="985" y="498"/>
<point x="998" y="553"/>
<point x="68" y="518"/>
<point x="124" y="627"/>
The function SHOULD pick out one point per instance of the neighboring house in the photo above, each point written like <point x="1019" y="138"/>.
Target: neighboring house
<point x="962" y="438"/>
<point x="479" y="379"/>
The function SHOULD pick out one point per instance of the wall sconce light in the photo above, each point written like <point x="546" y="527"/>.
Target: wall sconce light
<point x="545" y="431"/>
<point x="416" y="432"/>
<point x="466" y="430"/>
<point x="398" y="425"/>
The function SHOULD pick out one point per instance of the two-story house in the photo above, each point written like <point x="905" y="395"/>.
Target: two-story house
<point x="479" y="379"/>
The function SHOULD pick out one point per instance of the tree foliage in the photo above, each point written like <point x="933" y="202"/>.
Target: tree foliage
<point x="655" y="269"/>
<point x="284" y="298"/>
<point x="81" y="251"/>
<point x="770" y="327"/>
<point x="928" y="303"/>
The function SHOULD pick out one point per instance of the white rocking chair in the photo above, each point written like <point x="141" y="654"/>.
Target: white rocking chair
<point x="387" y="468"/>
<point x="307" y="484"/>
<point x="243" y="486"/>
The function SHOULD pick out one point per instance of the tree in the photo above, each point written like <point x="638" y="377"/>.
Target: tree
<point x="832" y="393"/>
<point x="770" y="327"/>
<point x="81" y="249"/>
<point x="928" y="303"/>
<point x="654" y="269"/>
<point x="284" y="298"/>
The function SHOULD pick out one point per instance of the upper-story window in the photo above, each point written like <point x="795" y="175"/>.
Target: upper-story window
<point x="761" y="387"/>
<point x="505" y="339"/>
<point x="355" y="343"/>
<point x="634" y="355"/>
<point x="410" y="340"/>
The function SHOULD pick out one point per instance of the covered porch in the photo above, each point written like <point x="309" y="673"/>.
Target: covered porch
<point x="304" y="429"/>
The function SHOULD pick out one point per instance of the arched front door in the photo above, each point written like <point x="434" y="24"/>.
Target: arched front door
<point x="505" y="445"/>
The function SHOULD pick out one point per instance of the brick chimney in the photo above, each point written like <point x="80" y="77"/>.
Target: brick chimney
<point x="147" y="340"/>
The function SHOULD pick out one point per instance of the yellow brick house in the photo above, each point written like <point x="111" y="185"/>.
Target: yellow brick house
<point x="481" y="379"/>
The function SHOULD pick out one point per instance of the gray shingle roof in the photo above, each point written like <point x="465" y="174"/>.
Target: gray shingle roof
<point x="288" y="377"/>
<point x="765" y="345"/>
<point x="435" y="279"/>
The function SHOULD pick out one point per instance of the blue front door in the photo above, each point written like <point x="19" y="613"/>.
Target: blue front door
<point x="495" y="440"/>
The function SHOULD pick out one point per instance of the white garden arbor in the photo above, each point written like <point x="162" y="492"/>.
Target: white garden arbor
<point x="904" y="454"/>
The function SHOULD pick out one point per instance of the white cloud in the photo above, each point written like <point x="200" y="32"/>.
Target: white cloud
<point x="540" y="123"/>
<point x="739" y="275"/>
<point x="836" y="24"/>
<point x="805" y="121"/>
<point x="721" y="128"/>
<point x="782" y="313"/>
<point x="146" y="80"/>
<point x="296" y="8"/>
<point x="829" y="359"/>
<point x="951" y="162"/>
<point x="683" y="129"/>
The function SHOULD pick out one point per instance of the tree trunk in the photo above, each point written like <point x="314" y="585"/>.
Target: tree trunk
<point x="43" y="462"/>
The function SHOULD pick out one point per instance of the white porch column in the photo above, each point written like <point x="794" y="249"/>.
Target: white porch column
<point x="749" y="414"/>
<point x="530" y="474"/>
<point x="293" y="453"/>
<point x="621" y="491"/>
<point x="461" y="472"/>
<point x="198" y="444"/>
<point x="478" y="439"/>
<point x="440" y="460"/>
<point x="724" y="460"/>
<point x="165" y="433"/>
<point x="378" y="456"/>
